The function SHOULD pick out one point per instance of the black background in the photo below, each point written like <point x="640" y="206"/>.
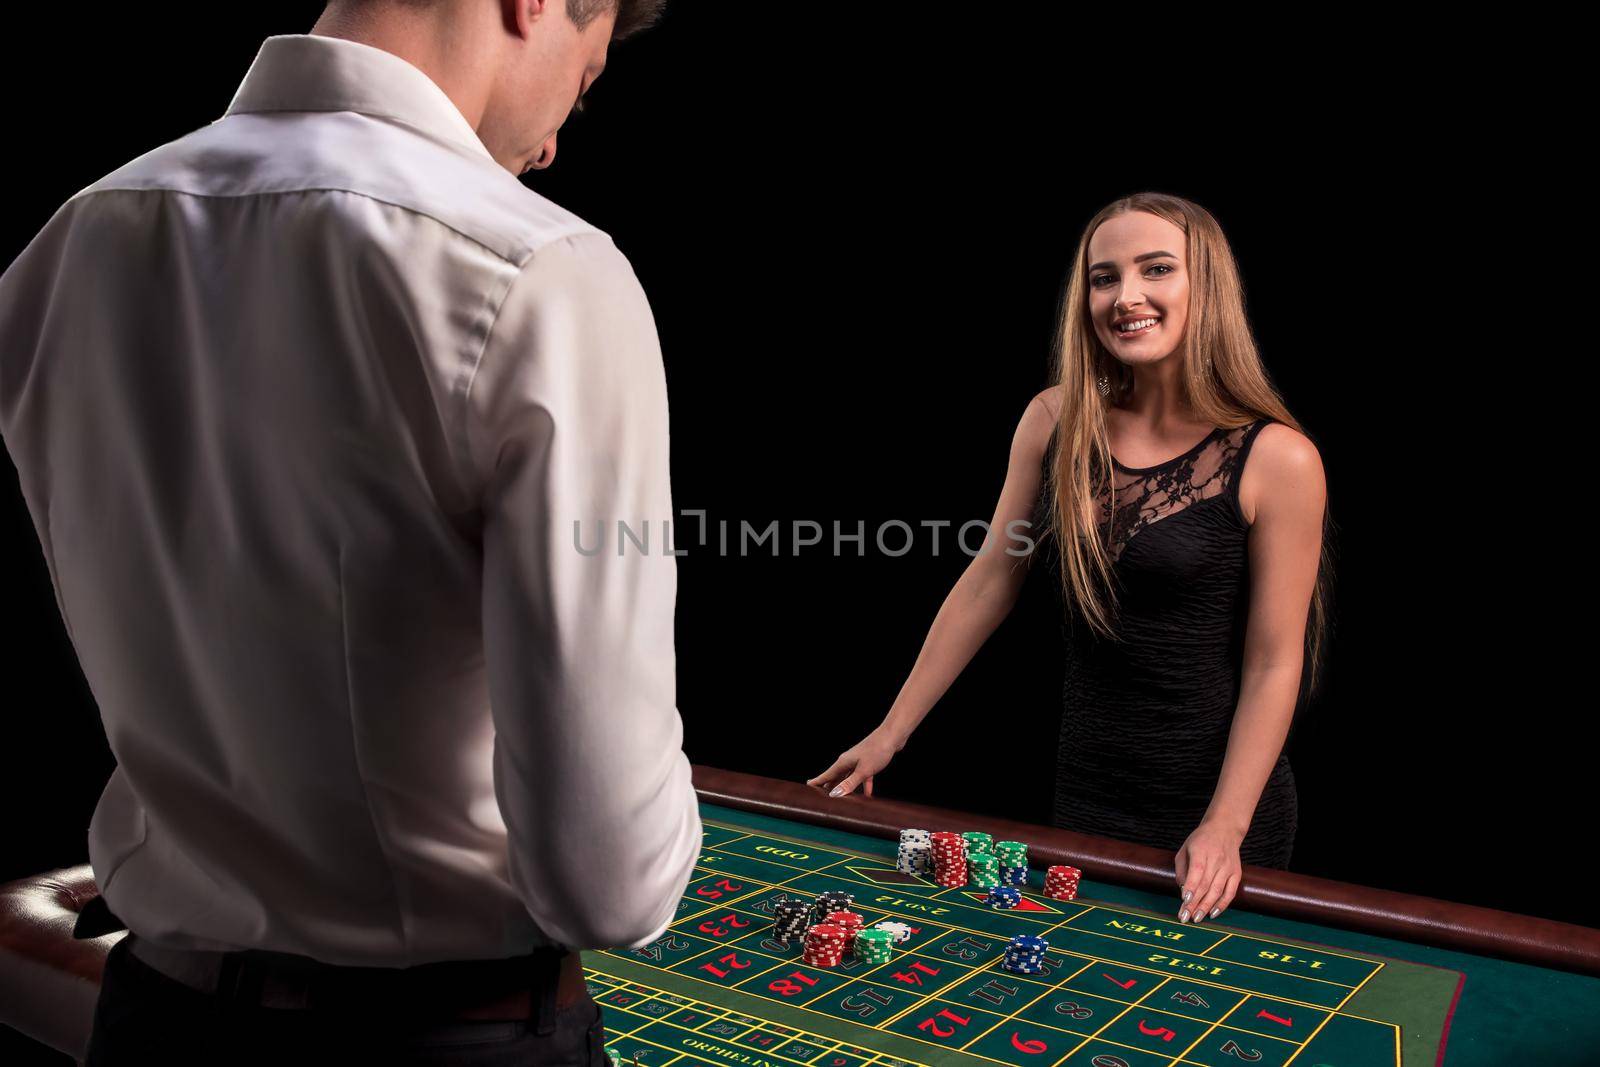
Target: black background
<point x="853" y="233"/>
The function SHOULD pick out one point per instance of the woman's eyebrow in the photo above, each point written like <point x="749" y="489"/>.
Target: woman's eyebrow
<point x="1137" y="259"/>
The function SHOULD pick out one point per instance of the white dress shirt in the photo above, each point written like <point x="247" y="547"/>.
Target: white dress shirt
<point x="305" y="405"/>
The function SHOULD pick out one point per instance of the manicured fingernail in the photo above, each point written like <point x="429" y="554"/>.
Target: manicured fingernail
<point x="1183" y="916"/>
<point x="1215" y="912"/>
<point x="838" y="791"/>
<point x="1199" y="917"/>
<point x="1186" y="895"/>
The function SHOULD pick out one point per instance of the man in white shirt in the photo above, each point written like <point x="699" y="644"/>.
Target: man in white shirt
<point x="308" y="407"/>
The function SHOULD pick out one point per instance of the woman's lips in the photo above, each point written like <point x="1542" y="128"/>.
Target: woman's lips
<point x="1128" y="335"/>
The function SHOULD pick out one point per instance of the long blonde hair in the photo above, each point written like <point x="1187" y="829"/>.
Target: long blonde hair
<point x="1224" y="384"/>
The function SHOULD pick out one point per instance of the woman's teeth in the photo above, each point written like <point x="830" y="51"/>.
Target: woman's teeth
<point x="1137" y="326"/>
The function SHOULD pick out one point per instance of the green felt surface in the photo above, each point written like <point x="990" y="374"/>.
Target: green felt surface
<point x="1127" y="984"/>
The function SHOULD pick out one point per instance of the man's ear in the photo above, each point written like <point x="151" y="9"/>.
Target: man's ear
<point x="520" y="15"/>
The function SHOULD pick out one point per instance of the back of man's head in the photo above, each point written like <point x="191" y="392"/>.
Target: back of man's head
<point x="631" y="15"/>
<point x="516" y="69"/>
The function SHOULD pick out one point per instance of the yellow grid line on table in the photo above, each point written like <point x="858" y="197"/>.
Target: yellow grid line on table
<point x="731" y="902"/>
<point x="1394" y="1026"/>
<point x="1109" y="1022"/>
<point x="1024" y="1007"/>
<point x="1360" y="984"/>
<point x="1062" y="921"/>
<point x="1141" y="969"/>
<point x="988" y="966"/>
<point x="931" y="1044"/>
<point x="720" y="1015"/>
<point x="1101" y="906"/>
<point x="1210" y="1029"/>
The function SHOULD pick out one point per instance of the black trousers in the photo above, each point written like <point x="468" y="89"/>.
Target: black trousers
<point x="144" y="1017"/>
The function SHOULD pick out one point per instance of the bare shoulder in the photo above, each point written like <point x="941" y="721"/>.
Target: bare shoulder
<point x="1037" y="424"/>
<point x="1051" y="400"/>
<point x="1284" y="463"/>
<point x="1286" y="450"/>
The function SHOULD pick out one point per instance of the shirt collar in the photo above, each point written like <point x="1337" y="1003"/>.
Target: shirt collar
<point x="310" y="72"/>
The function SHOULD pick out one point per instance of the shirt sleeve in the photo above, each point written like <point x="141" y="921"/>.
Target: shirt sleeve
<point x="567" y="426"/>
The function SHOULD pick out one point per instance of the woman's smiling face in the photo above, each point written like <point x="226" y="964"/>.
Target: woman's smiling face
<point x="1138" y="277"/>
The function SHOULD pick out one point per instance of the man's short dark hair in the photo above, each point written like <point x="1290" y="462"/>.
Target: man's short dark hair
<point x="632" y="15"/>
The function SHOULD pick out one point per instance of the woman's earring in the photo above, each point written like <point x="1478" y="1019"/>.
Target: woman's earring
<point x="1104" y="385"/>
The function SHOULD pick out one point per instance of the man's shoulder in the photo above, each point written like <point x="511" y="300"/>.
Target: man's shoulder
<point x="350" y="154"/>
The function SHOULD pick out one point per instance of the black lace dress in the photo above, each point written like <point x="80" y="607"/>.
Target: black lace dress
<point x="1145" y="719"/>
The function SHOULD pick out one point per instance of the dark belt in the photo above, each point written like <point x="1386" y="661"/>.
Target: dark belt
<point x="522" y="987"/>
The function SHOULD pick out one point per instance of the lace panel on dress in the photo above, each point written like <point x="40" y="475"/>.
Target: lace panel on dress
<point x="1148" y="496"/>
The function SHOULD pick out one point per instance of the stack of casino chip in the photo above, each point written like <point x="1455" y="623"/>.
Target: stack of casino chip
<point x="901" y="931"/>
<point x="824" y="946"/>
<point x="1004" y="896"/>
<point x="978" y="842"/>
<point x="1025" y="955"/>
<point x="916" y="853"/>
<point x="1013" y="862"/>
<point x="949" y="859"/>
<point x="1061" y="883"/>
<point x="790" y="919"/>
<point x="848" y="921"/>
<point x="829" y="902"/>
<point x="984" y="870"/>
<point x="874" y="945"/>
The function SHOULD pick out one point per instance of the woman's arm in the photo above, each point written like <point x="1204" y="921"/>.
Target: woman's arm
<point x="975" y="606"/>
<point x="1288" y="491"/>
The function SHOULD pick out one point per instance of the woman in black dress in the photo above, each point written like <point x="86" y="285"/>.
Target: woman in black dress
<point x="1194" y="582"/>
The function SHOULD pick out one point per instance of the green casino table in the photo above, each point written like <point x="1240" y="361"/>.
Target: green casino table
<point x="1299" y="971"/>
